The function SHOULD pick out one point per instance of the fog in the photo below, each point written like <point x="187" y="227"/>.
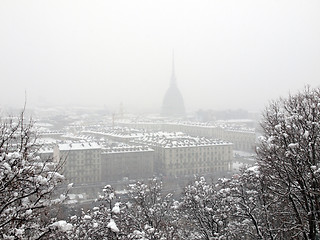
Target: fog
<point x="228" y="54"/>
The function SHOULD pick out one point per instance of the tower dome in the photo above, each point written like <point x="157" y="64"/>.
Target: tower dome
<point x="173" y="104"/>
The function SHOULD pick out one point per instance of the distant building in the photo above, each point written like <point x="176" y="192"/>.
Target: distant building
<point x="177" y="154"/>
<point x="117" y="134"/>
<point x="82" y="161"/>
<point x="173" y="104"/>
<point x="46" y="153"/>
<point x="130" y="162"/>
<point x="244" y="139"/>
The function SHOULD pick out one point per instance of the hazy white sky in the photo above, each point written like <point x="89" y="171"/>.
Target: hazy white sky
<point x="228" y="53"/>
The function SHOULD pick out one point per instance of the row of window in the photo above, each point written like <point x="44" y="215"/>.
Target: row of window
<point x="201" y="149"/>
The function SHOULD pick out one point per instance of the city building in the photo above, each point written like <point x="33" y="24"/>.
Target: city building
<point x="177" y="154"/>
<point x="243" y="138"/>
<point x="127" y="162"/>
<point x="82" y="161"/>
<point x="117" y="134"/>
<point x="46" y="153"/>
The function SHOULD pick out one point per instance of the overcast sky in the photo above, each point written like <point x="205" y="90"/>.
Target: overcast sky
<point x="229" y="54"/>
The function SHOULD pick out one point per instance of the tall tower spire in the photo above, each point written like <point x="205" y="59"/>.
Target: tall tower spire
<point x="173" y="105"/>
<point x="173" y="75"/>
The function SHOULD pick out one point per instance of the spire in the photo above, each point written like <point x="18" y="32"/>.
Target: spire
<point x="173" y="76"/>
<point x="173" y="104"/>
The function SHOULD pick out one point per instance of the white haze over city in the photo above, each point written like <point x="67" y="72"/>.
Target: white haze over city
<point x="229" y="54"/>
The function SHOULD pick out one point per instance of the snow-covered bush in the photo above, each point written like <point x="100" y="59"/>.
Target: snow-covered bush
<point x="244" y="200"/>
<point x="146" y="213"/>
<point x="99" y="222"/>
<point x="149" y="213"/>
<point x="289" y="159"/>
<point x="26" y="185"/>
<point x="202" y="212"/>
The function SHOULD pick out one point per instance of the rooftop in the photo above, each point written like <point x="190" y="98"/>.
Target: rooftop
<point x="225" y="125"/>
<point x="79" y="146"/>
<point x="177" y="140"/>
<point x="122" y="149"/>
<point x="121" y="132"/>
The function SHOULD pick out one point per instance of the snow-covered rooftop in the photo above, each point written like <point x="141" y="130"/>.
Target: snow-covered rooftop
<point x="175" y="140"/>
<point x="122" y="149"/>
<point x="45" y="149"/>
<point x="46" y="140"/>
<point x="226" y="125"/>
<point x="119" y="132"/>
<point x="79" y="146"/>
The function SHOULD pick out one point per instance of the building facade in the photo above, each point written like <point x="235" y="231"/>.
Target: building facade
<point x="127" y="162"/>
<point x="82" y="161"/>
<point x="177" y="154"/>
<point x="244" y="139"/>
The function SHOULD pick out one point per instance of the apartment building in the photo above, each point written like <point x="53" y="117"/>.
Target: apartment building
<point x="82" y="161"/>
<point x="127" y="162"/>
<point x="244" y="139"/>
<point x="177" y="154"/>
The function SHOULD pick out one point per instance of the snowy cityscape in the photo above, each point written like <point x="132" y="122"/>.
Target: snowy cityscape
<point x="105" y="150"/>
<point x="112" y="156"/>
<point x="159" y="120"/>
